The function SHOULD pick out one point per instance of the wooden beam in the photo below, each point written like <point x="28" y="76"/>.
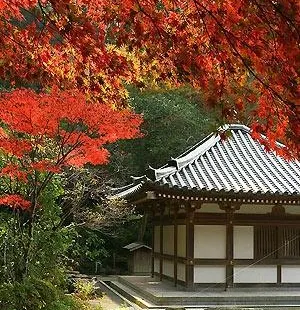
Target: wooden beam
<point x="170" y="258"/>
<point x="237" y="262"/>
<point x="215" y="197"/>
<point x="239" y="219"/>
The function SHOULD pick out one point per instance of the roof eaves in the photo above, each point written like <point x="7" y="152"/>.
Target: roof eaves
<point x="124" y="192"/>
<point x="135" y="246"/>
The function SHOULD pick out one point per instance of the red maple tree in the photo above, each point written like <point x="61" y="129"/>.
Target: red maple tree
<point x="42" y="133"/>
<point x="244" y="55"/>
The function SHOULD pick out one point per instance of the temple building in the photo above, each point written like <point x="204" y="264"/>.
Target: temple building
<point x="224" y="213"/>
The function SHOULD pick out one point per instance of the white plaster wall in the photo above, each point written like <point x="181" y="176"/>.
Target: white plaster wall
<point x="156" y="265"/>
<point x="156" y="239"/>
<point x="292" y="209"/>
<point x="209" y="208"/>
<point x="243" y="242"/>
<point x="290" y="274"/>
<point x="168" y="268"/>
<point x="255" y="209"/>
<point x="255" y="274"/>
<point x="181" y="272"/>
<point x="210" y="241"/>
<point x="168" y="244"/>
<point x="181" y="240"/>
<point x="209" y="274"/>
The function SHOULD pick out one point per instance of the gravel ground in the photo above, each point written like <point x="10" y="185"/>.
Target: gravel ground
<point x="111" y="301"/>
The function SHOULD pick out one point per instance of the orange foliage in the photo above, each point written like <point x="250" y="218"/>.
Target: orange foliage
<point x="45" y="132"/>
<point x="243" y="54"/>
<point x="245" y="50"/>
<point x="15" y="201"/>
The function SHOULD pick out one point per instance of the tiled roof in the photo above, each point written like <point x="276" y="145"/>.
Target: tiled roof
<point x="238" y="164"/>
<point x="135" y="246"/>
<point x="128" y="190"/>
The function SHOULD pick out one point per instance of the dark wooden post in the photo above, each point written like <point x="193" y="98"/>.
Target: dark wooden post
<point x="189" y="270"/>
<point x="161" y="241"/>
<point x="153" y="240"/>
<point x="175" y="244"/>
<point x="279" y="243"/>
<point x="229" y="248"/>
<point x="229" y="209"/>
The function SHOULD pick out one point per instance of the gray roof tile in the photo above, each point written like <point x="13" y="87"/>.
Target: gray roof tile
<point x="238" y="164"/>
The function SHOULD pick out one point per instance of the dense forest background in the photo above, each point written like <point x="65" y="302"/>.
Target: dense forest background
<point x="174" y="120"/>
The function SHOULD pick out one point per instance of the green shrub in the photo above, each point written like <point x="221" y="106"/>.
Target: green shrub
<point x="35" y="294"/>
<point x="67" y="302"/>
<point x="31" y="294"/>
<point x="84" y="289"/>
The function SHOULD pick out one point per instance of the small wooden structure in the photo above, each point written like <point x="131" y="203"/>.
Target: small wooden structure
<point x="139" y="261"/>
<point x="224" y="213"/>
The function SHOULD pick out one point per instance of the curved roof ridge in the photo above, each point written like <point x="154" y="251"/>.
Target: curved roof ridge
<point x="204" y="145"/>
<point x="234" y="126"/>
<point x="192" y="155"/>
<point x="159" y="173"/>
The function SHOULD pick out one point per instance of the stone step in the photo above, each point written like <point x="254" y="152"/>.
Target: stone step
<point x="196" y="300"/>
<point x="132" y="295"/>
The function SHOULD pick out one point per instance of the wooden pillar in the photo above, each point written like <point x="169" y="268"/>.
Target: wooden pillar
<point x="279" y="275"/>
<point x="189" y="270"/>
<point x="229" y="209"/>
<point x="161" y="240"/>
<point x="153" y="240"/>
<point x="229" y="248"/>
<point x="175" y="244"/>
<point x="279" y="242"/>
